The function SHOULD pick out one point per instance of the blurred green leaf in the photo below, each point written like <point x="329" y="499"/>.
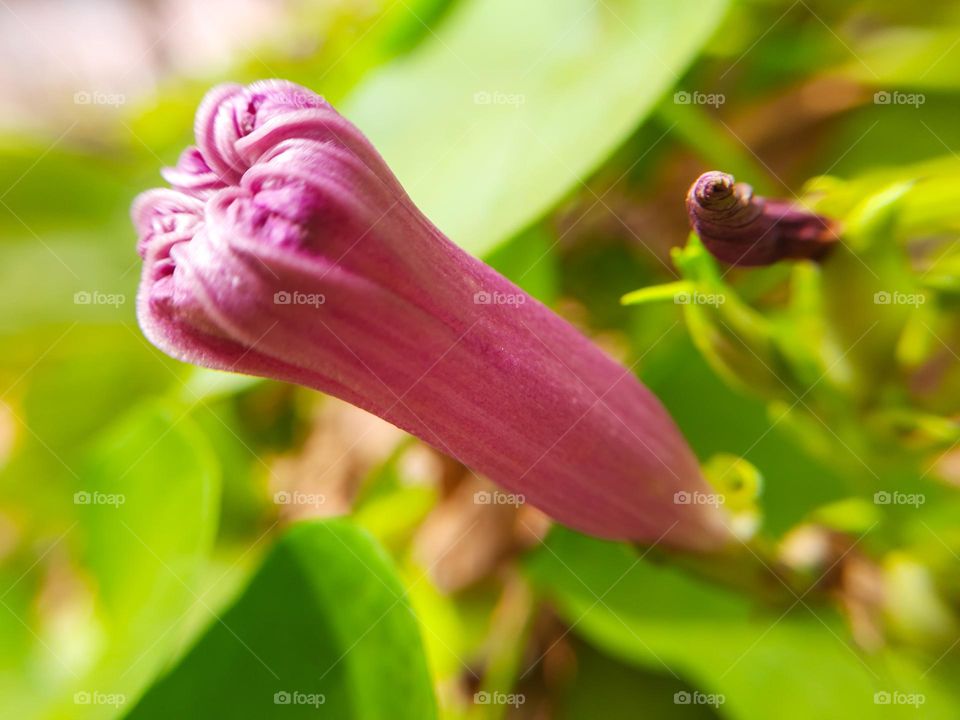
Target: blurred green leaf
<point x="34" y="176"/>
<point x="449" y="635"/>
<point x="145" y="506"/>
<point x="157" y="462"/>
<point x="508" y="106"/>
<point x="908" y="57"/>
<point x="103" y="369"/>
<point x="790" y="665"/>
<point x="714" y="143"/>
<point x="716" y="419"/>
<point x="734" y="338"/>
<point x="68" y="277"/>
<point x="612" y="690"/>
<point x="325" y="620"/>
<point x="866" y="271"/>
<point x="658" y="293"/>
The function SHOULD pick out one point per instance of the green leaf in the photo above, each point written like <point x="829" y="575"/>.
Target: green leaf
<point x="149" y="552"/>
<point x="716" y="419"/>
<point x="68" y="277"/>
<point x="144" y="549"/>
<point x="734" y="338"/>
<point x="323" y="630"/>
<point x="620" y="689"/>
<point x="105" y="369"/>
<point x="868" y="269"/>
<point x="144" y="511"/>
<point x="791" y="665"/>
<point x="912" y="57"/>
<point x="35" y="175"/>
<point x="714" y="144"/>
<point x="508" y="106"/>
<point x="658" y="293"/>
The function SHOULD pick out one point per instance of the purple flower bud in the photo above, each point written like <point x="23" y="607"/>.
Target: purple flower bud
<point x="740" y="228"/>
<point x="289" y="250"/>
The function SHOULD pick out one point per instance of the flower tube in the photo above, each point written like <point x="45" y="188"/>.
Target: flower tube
<point x="287" y="249"/>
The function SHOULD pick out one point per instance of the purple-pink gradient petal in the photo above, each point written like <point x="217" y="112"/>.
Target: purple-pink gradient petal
<point x="287" y="249"/>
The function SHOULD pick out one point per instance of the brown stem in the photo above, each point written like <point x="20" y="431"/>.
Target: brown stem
<point x="740" y="228"/>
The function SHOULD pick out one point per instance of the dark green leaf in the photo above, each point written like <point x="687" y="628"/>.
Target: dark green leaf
<point x="323" y="630"/>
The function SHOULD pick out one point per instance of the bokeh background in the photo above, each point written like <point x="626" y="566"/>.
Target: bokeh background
<point x="151" y="559"/>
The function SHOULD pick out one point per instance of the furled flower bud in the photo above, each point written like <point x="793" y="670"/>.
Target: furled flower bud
<point x="740" y="228"/>
<point x="287" y="249"/>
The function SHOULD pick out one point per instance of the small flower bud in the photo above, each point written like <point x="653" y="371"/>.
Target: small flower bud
<point x="740" y="228"/>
